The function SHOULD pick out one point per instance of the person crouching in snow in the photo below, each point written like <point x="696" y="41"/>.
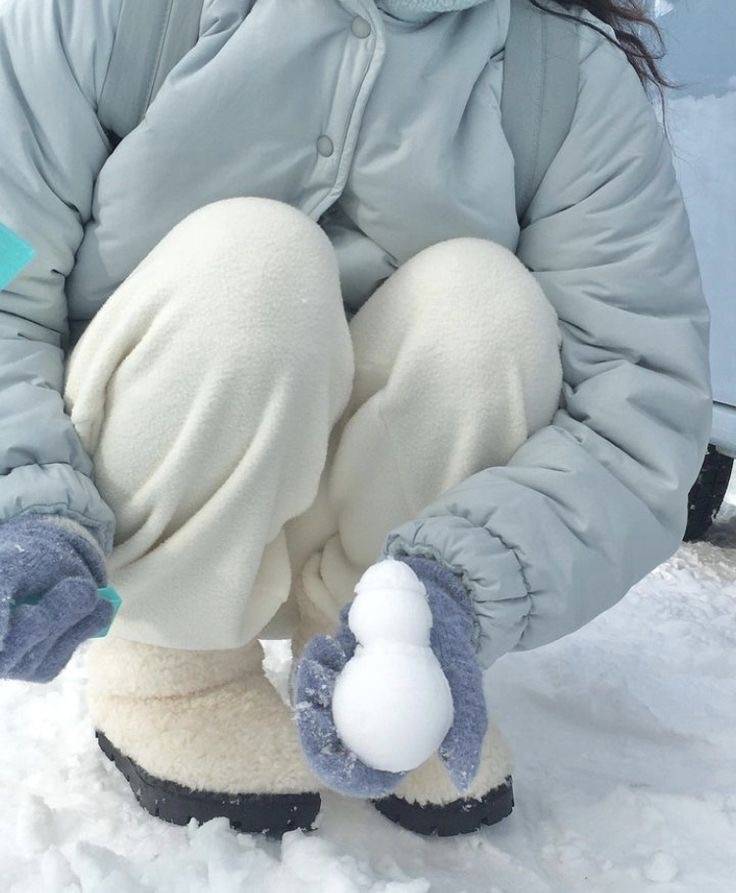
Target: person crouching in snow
<point x="289" y="340"/>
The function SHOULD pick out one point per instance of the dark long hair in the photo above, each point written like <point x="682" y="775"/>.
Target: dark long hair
<point x="636" y="33"/>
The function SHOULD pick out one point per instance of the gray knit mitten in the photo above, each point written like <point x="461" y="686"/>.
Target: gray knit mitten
<point x="325" y="658"/>
<point x="50" y="573"/>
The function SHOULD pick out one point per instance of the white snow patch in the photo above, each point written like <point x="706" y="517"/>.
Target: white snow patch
<point x="624" y="737"/>
<point x="662" y="869"/>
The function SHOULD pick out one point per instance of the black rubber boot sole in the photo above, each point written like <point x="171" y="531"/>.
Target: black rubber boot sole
<point x="446" y="820"/>
<point x="269" y="814"/>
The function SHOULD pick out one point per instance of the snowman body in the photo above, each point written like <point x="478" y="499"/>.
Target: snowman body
<point x="392" y="704"/>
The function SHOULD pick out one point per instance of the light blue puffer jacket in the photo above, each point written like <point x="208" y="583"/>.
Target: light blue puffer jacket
<point x="317" y="104"/>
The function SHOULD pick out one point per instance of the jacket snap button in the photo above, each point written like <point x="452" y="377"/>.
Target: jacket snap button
<point x="360" y="27"/>
<point x="325" y="146"/>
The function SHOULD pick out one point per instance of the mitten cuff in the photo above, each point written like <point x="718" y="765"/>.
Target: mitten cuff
<point x="71" y="526"/>
<point x="78" y="537"/>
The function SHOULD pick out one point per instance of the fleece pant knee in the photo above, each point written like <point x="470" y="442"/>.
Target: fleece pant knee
<point x="457" y="363"/>
<point x="205" y="390"/>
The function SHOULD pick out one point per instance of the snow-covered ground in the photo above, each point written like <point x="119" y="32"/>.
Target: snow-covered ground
<point x="625" y="743"/>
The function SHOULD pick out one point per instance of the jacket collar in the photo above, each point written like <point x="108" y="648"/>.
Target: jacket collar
<point x="423" y="10"/>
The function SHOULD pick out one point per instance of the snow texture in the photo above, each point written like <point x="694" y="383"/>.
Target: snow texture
<point x="391" y="703"/>
<point x="625" y="747"/>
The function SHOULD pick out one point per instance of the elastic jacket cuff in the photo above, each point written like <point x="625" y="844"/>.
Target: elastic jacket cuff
<point x="57" y="489"/>
<point x="489" y="569"/>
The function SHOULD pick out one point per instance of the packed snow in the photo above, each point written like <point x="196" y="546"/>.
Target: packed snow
<point x="624" y="737"/>
<point x="392" y="704"/>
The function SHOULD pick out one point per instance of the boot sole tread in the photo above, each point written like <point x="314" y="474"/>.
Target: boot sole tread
<point x="271" y="814"/>
<point x="461" y="816"/>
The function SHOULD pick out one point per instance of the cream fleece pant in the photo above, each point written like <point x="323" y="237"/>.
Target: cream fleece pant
<point x="251" y="442"/>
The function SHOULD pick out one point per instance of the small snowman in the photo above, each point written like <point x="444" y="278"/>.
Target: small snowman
<point x="392" y="704"/>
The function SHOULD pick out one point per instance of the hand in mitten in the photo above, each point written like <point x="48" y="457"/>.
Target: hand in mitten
<point x="50" y="573"/>
<point x="312" y="688"/>
<point x="397" y="683"/>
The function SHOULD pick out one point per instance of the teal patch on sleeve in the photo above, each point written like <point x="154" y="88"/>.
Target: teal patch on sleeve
<point x="110" y="595"/>
<point x="14" y="255"/>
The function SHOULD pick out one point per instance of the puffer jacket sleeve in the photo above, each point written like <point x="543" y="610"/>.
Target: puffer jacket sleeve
<point x="594" y="501"/>
<point x="54" y="56"/>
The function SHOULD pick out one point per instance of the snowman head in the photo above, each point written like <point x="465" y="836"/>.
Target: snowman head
<point x="390" y="606"/>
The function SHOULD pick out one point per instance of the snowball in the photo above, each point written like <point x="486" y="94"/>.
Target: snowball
<point x="662" y="869"/>
<point x="391" y="604"/>
<point x="392" y="706"/>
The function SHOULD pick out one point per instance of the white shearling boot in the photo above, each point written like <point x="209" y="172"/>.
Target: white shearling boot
<point x="427" y="802"/>
<point x="201" y="734"/>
